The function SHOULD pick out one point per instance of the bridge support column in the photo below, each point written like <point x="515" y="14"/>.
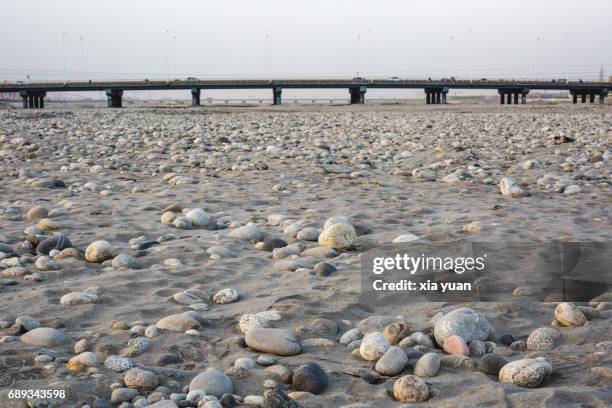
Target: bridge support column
<point x="592" y="98"/>
<point x="277" y="94"/>
<point x="574" y="97"/>
<point x="509" y="98"/>
<point x="583" y="98"/>
<point x="357" y="94"/>
<point x="602" y="96"/>
<point x="114" y="98"/>
<point x="524" y="96"/>
<point x="444" y="97"/>
<point x="195" y="96"/>
<point x="33" y="99"/>
<point x="516" y="98"/>
<point x="427" y="97"/>
<point x="502" y="98"/>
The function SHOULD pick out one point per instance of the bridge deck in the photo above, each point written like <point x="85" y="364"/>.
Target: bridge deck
<point x="75" y="86"/>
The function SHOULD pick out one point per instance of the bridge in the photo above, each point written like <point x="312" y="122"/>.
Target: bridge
<point x="510" y="91"/>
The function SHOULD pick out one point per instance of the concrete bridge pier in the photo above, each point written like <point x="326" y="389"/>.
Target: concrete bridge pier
<point x="195" y="96"/>
<point x="507" y="96"/>
<point x="357" y="94"/>
<point x="33" y="99"/>
<point x="435" y="96"/>
<point x="114" y="98"/>
<point x="277" y="93"/>
<point x="602" y="96"/>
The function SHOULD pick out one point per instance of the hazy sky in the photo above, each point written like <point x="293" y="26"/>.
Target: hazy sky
<point x="309" y="38"/>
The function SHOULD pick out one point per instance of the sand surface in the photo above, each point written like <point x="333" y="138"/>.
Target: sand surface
<point x="386" y="167"/>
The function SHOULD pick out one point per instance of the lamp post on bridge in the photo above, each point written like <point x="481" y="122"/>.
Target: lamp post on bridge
<point x="358" y="54"/>
<point x="565" y="35"/>
<point x="167" y="57"/>
<point x="82" y="39"/>
<point x="535" y="60"/>
<point x="64" y="54"/>
<point x="471" y="56"/>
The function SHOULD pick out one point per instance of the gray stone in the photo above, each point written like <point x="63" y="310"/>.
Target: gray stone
<point x="212" y="382"/>
<point x="44" y="337"/>
<point x="311" y="378"/>
<point x="274" y="341"/>
<point x="541" y="340"/>
<point x="392" y="362"/>
<point x="428" y="365"/>
<point x="528" y="373"/>
<point x="465" y="323"/>
<point x="141" y="379"/>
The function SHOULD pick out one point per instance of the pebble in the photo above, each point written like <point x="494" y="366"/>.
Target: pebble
<point x="197" y="217"/>
<point x="338" y="219"/>
<point x="27" y="323"/>
<point x="245" y="363"/>
<point x="284" y="373"/>
<point x="309" y="234"/>
<point x="373" y="346"/>
<point x="82" y="346"/>
<point x="140" y="379"/>
<point x="320" y="252"/>
<point x="396" y="332"/>
<point x="491" y="364"/>
<point x="80" y="298"/>
<point x="456" y="345"/>
<point x="168" y="218"/>
<point x="37" y="212"/>
<point x="136" y="346"/>
<point x="464" y="322"/>
<point x="457" y="360"/>
<point x="224" y="296"/>
<point x="274" y="341"/>
<point x="605" y="372"/>
<point x="270" y="244"/>
<point x="310" y="377"/>
<point x="404" y="238"/>
<point x="508" y="188"/>
<point x="182" y="223"/>
<point x="392" y="362"/>
<point x="428" y="365"/>
<point x="120" y="395"/>
<point x="265" y="360"/>
<point x="99" y="251"/>
<point x="212" y="382"/>
<point x="478" y="348"/>
<point x="178" y="322"/>
<point x="44" y="337"/>
<point x="82" y="361"/>
<point x="220" y="251"/>
<point x="250" y="321"/>
<point x="324" y="269"/>
<point x="338" y="236"/>
<point x="118" y="364"/>
<point x="540" y="340"/>
<point x="423" y="339"/>
<point x="124" y="261"/>
<point x="44" y="263"/>
<point x="411" y="388"/>
<point x="350" y="336"/>
<point x="528" y="373"/>
<point x="56" y="242"/>
<point x="248" y="232"/>
<point x="567" y="314"/>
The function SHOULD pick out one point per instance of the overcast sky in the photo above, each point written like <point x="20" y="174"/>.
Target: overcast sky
<point x="309" y="38"/>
